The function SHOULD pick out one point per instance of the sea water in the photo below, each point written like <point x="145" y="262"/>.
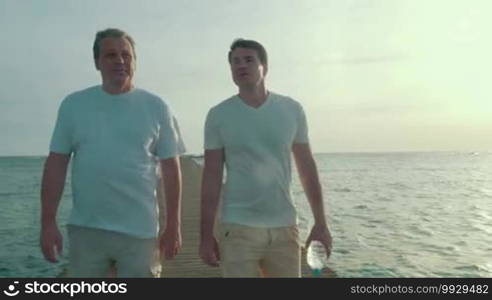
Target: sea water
<point x="390" y="214"/>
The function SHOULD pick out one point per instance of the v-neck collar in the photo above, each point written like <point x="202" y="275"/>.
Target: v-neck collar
<point x="261" y="107"/>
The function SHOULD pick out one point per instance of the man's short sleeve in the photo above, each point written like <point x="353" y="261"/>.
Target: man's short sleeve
<point x="301" y="136"/>
<point x="181" y="145"/>
<point x="61" y="140"/>
<point x="212" y="139"/>
<point x="170" y="143"/>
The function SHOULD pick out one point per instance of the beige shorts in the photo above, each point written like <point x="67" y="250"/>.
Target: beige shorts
<point x="259" y="252"/>
<point x="102" y="253"/>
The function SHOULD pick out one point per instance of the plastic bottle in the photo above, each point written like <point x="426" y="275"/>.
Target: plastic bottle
<point x="316" y="257"/>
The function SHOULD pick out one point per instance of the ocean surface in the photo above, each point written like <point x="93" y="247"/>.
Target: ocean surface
<point x="391" y="214"/>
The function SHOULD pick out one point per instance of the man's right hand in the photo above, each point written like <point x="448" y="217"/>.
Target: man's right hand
<point x="209" y="251"/>
<point x="54" y="175"/>
<point x="51" y="242"/>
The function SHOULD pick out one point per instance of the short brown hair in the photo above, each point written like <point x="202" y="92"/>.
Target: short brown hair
<point x="250" y="44"/>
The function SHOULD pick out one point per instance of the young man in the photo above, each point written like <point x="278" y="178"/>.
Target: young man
<point x="117" y="135"/>
<point x="253" y="134"/>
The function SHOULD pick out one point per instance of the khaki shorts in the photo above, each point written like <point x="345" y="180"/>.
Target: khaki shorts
<point x="259" y="252"/>
<point x="99" y="253"/>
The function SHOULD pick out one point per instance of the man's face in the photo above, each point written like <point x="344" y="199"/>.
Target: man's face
<point x="116" y="61"/>
<point x="246" y="67"/>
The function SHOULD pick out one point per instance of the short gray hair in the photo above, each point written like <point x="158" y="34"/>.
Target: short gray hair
<point x="113" y="33"/>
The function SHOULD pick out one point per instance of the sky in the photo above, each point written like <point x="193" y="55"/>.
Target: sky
<point x="372" y="75"/>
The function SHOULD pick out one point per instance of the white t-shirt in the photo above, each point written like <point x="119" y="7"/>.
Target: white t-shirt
<point x="116" y="141"/>
<point x="257" y="143"/>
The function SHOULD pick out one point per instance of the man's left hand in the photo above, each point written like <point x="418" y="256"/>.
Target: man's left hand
<point x="320" y="233"/>
<point x="170" y="243"/>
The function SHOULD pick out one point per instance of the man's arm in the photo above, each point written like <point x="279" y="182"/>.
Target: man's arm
<point x="53" y="182"/>
<point x="211" y="186"/>
<point x="161" y="202"/>
<point x="170" y="240"/>
<point x="308" y="174"/>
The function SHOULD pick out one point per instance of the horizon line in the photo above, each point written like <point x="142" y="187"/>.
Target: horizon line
<point x="320" y="153"/>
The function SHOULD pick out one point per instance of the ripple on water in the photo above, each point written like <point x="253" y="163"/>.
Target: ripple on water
<point x="376" y="221"/>
<point x="342" y="190"/>
<point x="462" y="243"/>
<point x="444" y="274"/>
<point x="486" y="268"/>
<point x="428" y="219"/>
<point x="384" y="199"/>
<point x="399" y="186"/>
<point x="360" y="241"/>
<point x="470" y="270"/>
<point x="481" y="215"/>
<point x="482" y="228"/>
<point x="341" y="251"/>
<point x="418" y="230"/>
<point x="443" y="250"/>
<point x="376" y="270"/>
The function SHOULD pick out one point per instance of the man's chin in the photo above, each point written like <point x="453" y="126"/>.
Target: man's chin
<point x="123" y="83"/>
<point x="121" y="80"/>
<point x="245" y="84"/>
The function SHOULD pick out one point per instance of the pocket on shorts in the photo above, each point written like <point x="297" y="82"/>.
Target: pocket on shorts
<point x="230" y="232"/>
<point x="293" y="234"/>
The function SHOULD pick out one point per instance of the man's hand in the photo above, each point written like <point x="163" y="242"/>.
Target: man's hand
<point x="54" y="174"/>
<point x="320" y="233"/>
<point x="170" y="243"/>
<point x="170" y="240"/>
<point x="209" y="251"/>
<point x="51" y="242"/>
<point x="211" y="187"/>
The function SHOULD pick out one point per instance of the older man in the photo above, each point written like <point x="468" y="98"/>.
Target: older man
<point x="117" y="135"/>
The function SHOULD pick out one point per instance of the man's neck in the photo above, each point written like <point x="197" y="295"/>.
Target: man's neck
<point x="254" y="96"/>
<point x="117" y="88"/>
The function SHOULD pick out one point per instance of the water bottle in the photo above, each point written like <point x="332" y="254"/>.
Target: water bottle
<point x="316" y="257"/>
